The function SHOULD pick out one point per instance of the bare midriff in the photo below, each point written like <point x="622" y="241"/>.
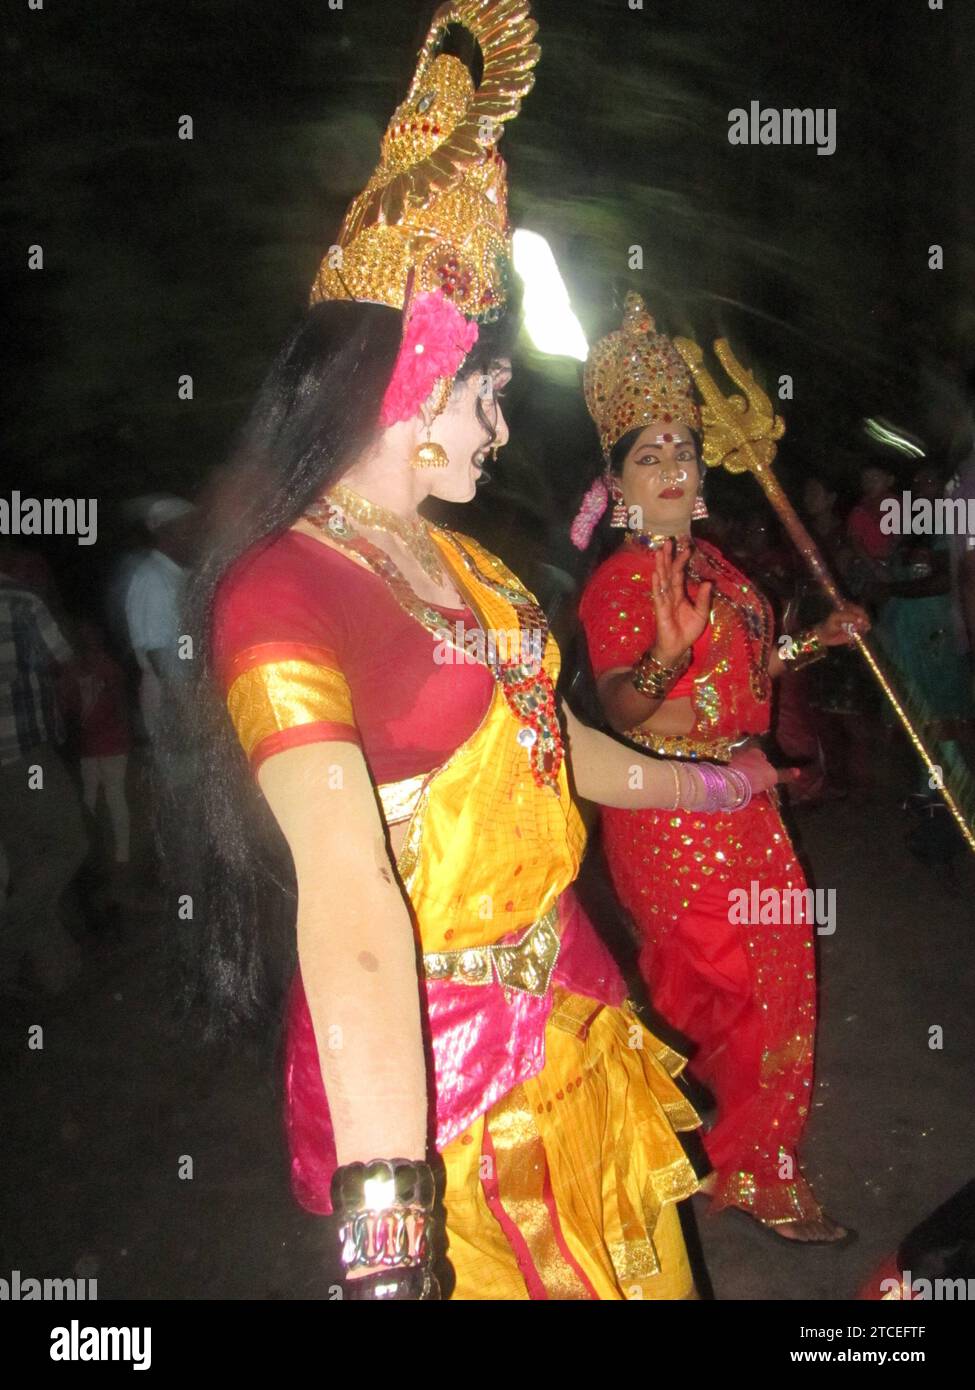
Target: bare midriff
<point x="672" y="717"/>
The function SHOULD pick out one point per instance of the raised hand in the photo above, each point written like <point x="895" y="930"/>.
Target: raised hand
<point x="680" y="620"/>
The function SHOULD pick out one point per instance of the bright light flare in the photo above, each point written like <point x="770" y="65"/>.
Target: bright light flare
<point x="885" y="433"/>
<point x="549" y="320"/>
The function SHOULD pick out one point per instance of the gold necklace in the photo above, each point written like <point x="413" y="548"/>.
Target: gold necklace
<point x="413" y="533"/>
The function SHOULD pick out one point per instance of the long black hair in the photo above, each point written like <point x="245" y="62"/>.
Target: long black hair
<point x="315" y="414"/>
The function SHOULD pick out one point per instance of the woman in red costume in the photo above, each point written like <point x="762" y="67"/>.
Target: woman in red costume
<point x="460" y="1055"/>
<point x="681" y="645"/>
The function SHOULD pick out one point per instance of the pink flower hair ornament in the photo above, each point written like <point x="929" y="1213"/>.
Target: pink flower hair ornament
<point x="591" y="510"/>
<point x="436" y="339"/>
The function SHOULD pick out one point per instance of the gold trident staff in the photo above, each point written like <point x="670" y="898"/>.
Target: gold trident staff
<point x="741" y="433"/>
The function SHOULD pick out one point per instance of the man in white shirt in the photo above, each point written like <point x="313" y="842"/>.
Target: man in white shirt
<point x="153" y="601"/>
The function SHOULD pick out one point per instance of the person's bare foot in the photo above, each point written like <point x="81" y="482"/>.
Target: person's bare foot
<point x="822" y="1232"/>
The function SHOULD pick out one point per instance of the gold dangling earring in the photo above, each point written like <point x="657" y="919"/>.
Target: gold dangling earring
<point x="700" y="508"/>
<point x="430" y="454"/>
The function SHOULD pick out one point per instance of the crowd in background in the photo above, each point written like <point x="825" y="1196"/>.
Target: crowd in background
<point x="83" y="698"/>
<point x="82" y="725"/>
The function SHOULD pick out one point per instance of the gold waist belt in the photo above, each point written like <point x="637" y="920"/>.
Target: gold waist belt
<point x="526" y="964"/>
<point x="713" y="750"/>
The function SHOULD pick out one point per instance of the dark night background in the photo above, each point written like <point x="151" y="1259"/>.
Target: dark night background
<point x="164" y="256"/>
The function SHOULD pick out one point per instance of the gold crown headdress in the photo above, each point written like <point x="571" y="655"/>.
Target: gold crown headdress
<point x="434" y="214"/>
<point x="635" y="377"/>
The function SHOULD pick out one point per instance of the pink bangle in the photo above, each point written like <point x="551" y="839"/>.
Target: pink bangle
<point x="739" y="780"/>
<point x="725" y="789"/>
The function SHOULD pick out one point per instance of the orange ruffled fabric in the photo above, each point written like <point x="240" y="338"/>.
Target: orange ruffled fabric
<point x="566" y="1189"/>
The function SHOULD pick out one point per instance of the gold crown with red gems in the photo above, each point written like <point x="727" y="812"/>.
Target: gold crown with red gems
<point x="434" y="215"/>
<point x="635" y="377"/>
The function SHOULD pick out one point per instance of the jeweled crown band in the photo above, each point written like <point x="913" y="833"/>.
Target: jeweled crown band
<point x="635" y="377"/>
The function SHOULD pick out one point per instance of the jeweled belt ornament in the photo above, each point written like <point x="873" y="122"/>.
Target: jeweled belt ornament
<point x="525" y="965"/>
<point x="712" y="750"/>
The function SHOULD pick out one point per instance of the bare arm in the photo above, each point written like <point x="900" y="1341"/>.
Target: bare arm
<point x="602" y="769"/>
<point x="356" y="949"/>
<point x="613" y="775"/>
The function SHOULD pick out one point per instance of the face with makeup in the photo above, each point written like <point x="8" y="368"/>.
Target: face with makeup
<point x="471" y="425"/>
<point x="660" y="476"/>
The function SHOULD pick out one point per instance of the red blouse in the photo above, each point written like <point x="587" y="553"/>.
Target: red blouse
<point x="727" y="679"/>
<point x="295" y="596"/>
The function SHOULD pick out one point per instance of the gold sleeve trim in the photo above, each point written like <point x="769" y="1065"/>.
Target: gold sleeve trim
<point x="284" y="695"/>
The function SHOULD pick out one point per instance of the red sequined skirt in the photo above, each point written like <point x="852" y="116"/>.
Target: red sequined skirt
<point x="742" y="991"/>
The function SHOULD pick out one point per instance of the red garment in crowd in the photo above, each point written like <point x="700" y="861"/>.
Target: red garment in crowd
<point x="863" y="526"/>
<point x="103" y="723"/>
<point x="744" y="993"/>
<point x="797" y="737"/>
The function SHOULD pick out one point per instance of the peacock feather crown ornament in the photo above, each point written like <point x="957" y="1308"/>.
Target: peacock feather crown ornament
<point x="434" y="216"/>
<point x="635" y="377"/>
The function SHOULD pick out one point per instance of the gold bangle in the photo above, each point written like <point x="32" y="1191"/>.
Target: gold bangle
<point x="673" y="768"/>
<point x="803" y="650"/>
<point x="652" y="679"/>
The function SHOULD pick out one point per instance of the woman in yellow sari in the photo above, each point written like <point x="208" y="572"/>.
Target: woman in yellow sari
<point x="460" y="1054"/>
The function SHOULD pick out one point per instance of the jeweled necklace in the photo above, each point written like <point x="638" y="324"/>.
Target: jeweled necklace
<point x="655" y="540"/>
<point x="413" y="533"/>
<point x="525" y="685"/>
<point x="755" y="617"/>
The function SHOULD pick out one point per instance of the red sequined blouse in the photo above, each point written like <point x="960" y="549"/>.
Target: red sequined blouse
<point x="727" y="679"/>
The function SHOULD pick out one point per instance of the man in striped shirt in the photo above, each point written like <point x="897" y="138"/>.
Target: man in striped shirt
<point x="42" y="836"/>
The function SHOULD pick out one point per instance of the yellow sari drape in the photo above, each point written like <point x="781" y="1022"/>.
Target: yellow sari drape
<point x="566" y="1187"/>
